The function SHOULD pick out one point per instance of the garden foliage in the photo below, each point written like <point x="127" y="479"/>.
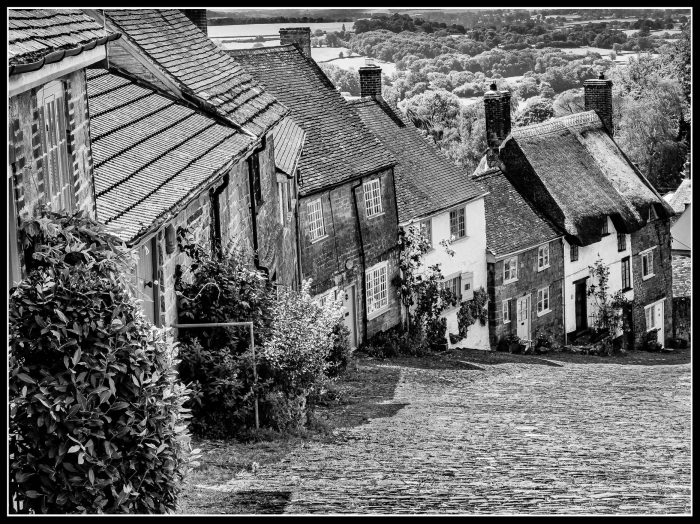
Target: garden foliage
<point x="96" y="417"/>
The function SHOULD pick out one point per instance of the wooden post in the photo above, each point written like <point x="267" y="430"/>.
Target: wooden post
<point x="255" y="376"/>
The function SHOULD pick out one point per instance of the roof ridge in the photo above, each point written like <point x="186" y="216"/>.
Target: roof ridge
<point x="551" y="126"/>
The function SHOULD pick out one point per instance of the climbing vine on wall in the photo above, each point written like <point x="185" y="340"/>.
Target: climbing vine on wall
<point x="472" y="310"/>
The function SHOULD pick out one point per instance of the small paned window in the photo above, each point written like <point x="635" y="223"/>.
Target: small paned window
<point x="574" y="252"/>
<point x="605" y="227"/>
<point x="621" y="242"/>
<point x="510" y="269"/>
<point x="373" y="198"/>
<point x="543" y="257"/>
<point x="458" y="227"/>
<point x="543" y="300"/>
<point x="506" y="311"/>
<point x="377" y="288"/>
<point x="315" y="217"/>
<point x="648" y="264"/>
<point x="427" y="230"/>
<point x="455" y="286"/>
<point x="626" y="277"/>
<point x="649" y="314"/>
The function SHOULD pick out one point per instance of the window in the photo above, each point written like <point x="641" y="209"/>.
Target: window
<point x="327" y="296"/>
<point x="510" y="269"/>
<point x="427" y="230"/>
<point x="467" y="285"/>
<point x="454" y="285"/>
<point x="377" y="288"/>
<point x="649" y="314"/>
<point x="626" y="277"/>
<point x="315" y="214"/>
<point x="289" y="196"/>
<point x="373" y="198"/>
<point x="543" y="300"/>
<point x="58" y="183"/>
<point x="574" y="252"/>
<point x="648" y="264"/>
<point x="621" y="242"/>
<point x="652" y="213"/>
<point x="280" y="190"/>
<point x="605" y="227"/>
<point x="457" y="224"/>
<point x="506" y="311"/>
<point x="543" y="257"/>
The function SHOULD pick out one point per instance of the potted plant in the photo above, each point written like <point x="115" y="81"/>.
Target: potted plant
<point x="526" y="345"/>
<point x="513" y="343"/>
<point x="652" y="341"/>
<point x="502" y="344"/>
<point x="543" y="343"/>
<point x="436" y="333"/>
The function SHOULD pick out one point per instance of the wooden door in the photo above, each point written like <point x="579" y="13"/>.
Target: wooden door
<point x="146" y="282"/>
<point x="580" y="306"/>
<point x="659" y="322"/>
<point x="348" y="298"/>
<point x="523" y="317"/>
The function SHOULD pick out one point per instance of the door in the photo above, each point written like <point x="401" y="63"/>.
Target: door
<point x="146" y="282"/>
<point x="523" y="317"/>
<point x="580" y="306"/>
<point x="659" y="322"/>
<point x="348" y="298"/>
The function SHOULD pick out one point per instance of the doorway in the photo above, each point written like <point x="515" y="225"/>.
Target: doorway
<point x="146" y="279"/>
<point x="349" y="319"/>
<point x="523" y="317"/>
<point x="655" y="320"/>
<point x="580" y="305"/>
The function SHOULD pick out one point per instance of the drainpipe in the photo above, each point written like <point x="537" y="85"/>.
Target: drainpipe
<point x="253" y="211"/>
<point x="563" y="292"/>
<point x="296" y="218"/>
<point x="362" y="257"/>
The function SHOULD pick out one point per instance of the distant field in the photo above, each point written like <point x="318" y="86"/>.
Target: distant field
<point x="251" y="30"/>
<point x="323" y="54"/>
<point x="388" y="68"/>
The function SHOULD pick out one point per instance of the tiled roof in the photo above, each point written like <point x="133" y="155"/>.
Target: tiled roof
<point x="338" y="145"/>
<point x="34" y="33"/>
<point x="680" y="197"/>
<point x="585" y="174"/>
<point x="512" y="222"/>
<point x="150" y="152"/>
<point x="197" y="66"/>
<point x="681" y="275"/>
<point x="426" y="182"/>
<point x="289" y="142"/>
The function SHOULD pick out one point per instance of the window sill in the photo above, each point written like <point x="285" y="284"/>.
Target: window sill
<point x="542" y="268"/>
<point x="648" y="276"/>
<point x="627" y="289"/>
<point x="376" y="215"/>
<point x="465" y="237"/>
<point x="506" y="321"/>
<point x="621" y="250"/>
<point x="510" y="281"/>
<point x="574" y="260"/>
<point x="378" y="313"/>
<point x="319" y="239"/>
<point x="542" y="313"/>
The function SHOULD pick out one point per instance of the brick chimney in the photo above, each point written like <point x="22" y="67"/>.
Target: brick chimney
<point x="198" y="17"/>
<point x="598" y="97"/>
<point x="505" y="113"/>
<point x="493" y="109"/>
<point x="370" y="79"/>
<point x="300" y="36"/>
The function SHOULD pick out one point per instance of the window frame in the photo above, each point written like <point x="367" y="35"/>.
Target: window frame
<point x="649" y="314"/>
<point x="506" y="262"/>
<point x="606" y="228"/>
<point x="460" y="214"/>
<point x="541" y="251"/>
<point x="541" y="310"/>
<point x="621" y="242"/>
<point x="573" y="253"/>
<point x="428" y="223"/>
<point x="648" y="255"/>
<point x="373" y="198"/>
<point x="505" y="305"/>
<point x="626" y="273"/>
<point x="313" y="235"/>
<point x="370" y="292"/>
<point x="454" y="283"/>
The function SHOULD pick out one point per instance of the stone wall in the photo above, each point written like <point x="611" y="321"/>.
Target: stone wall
<point x="529" y="281"/>
<point x="655" y="233"/>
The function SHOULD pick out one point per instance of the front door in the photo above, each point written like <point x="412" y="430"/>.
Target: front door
<point x="580" y="305"/>
<point x="146" y="282"/>
<point x="348" y="298"/>
<point x="523" y="317"/>
<point x="659" y="321"/>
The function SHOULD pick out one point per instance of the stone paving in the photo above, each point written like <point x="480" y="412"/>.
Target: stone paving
<point x="517" y="438"/>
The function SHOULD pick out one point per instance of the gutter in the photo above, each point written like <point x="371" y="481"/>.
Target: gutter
<point x="362" y="256"/>
<point x="59" y="55"/>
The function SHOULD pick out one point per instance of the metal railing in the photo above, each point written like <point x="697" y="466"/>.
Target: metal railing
<point x="252" y="348"/>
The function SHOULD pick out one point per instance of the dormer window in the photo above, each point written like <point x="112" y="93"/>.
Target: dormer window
<point x="605" y="230"/>
<point x="652" y="214"/>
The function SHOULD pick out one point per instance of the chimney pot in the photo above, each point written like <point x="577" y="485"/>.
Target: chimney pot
<point x="493" y="87"/>
<point x="601" y="76"/>
<point x="301" y="36"/>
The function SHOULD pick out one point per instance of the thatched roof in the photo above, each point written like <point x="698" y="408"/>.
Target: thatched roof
<point x="680" y="197"/>
<point x="573" y="171"/>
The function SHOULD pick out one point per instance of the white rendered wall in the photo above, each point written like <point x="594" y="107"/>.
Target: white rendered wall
<point x="587" y="256"/>
<point x="470" y="255"/>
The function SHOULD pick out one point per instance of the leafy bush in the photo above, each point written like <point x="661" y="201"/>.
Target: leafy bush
<point x="396" y="342"/>
<point x="340" y="354"/>
<point x="472" y="310"/>
<point x="96" y="417"/>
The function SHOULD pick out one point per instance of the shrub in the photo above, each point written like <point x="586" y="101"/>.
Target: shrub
<point x="340" y="354"/>
<point x="396" y="342"/>
<point x="96" y="417"/>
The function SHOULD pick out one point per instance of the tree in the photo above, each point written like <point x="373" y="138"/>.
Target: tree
<point x="332" y="39"/>
<point x="569" y="102"/>
<point x="340" y="55"/>
<point x="536" y="110"/>
<point x="610" y="310"/>
<point x="318" y="33"/>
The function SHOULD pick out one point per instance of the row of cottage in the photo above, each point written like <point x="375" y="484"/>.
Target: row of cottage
<point x="137" y="118"/>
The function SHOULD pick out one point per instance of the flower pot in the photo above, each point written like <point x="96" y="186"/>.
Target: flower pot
<point x="514" y="348"/>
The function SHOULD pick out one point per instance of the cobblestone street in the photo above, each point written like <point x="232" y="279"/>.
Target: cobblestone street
<point x="514" y="435"/>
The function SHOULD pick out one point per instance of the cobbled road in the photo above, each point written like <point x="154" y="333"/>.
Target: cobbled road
<point x="518" y="438"/>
